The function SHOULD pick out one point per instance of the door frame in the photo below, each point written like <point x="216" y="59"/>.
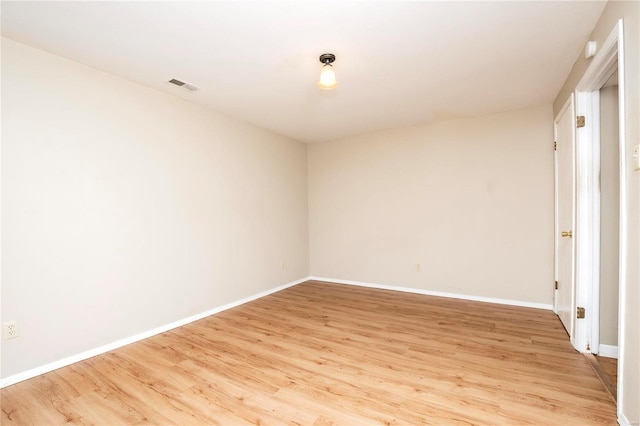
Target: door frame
<point x="570" y="106"/>
<point x="587" y="332"/>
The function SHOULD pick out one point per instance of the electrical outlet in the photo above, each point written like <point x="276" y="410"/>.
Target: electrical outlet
<point x="418" y="267"/>
<point x="282" y="264"/>
<point x="10" y="329"/>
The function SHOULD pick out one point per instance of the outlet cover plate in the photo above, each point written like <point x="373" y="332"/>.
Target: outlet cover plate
<point x="10" y="330"/>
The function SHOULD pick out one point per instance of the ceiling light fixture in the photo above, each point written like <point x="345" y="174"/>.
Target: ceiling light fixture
<point x="327" y="74"/>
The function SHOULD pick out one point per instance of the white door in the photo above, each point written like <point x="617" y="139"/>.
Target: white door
<point x="564" y="126"/>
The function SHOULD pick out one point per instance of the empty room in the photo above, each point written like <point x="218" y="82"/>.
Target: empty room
<point x="320" y="212"/>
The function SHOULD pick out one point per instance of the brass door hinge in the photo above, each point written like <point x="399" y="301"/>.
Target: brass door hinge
<point x="580" y="121"/>
<point x="555" y="145"/>
<point x="556" y="285"/>
<point x="580" y="312"/>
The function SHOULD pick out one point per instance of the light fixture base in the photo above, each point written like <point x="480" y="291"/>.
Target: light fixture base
<point x="327" y="58"/>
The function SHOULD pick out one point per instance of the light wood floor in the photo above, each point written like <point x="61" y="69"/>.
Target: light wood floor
<point x="323" y="354"/>
<point x="607" y="371"/>
<point x="610" y="367"/>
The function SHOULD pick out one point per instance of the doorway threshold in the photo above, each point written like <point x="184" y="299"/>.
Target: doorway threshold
<point x="603" y="376"/>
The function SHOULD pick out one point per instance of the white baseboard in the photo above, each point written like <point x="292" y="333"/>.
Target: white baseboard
<point x="623" y="421"/>
<point x="34" y="372"/>
<point x="546" y="306"/>
<point x="608" y="351"/>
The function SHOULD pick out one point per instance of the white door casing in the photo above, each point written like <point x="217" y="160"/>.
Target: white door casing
<point x="609" y="59"/>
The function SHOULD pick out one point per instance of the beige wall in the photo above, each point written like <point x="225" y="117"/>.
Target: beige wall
<point x="125" y="209"/>
<point x="609" y="215"/>
<point x="470" y="200"/>
<point x="629" y="11"/>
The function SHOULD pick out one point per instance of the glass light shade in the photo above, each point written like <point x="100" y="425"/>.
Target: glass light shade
<point x="327" y="77"/>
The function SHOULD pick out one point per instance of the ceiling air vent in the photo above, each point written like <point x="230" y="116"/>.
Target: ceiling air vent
<point x="182" y="84"/>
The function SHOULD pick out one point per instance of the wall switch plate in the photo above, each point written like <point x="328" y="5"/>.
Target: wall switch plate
<point x="636" y="157"/>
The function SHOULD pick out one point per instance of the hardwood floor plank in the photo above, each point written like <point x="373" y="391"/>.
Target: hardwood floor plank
<point x="321" y="353"/>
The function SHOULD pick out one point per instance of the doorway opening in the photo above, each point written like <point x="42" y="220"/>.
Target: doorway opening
<point x="607" y="350"/>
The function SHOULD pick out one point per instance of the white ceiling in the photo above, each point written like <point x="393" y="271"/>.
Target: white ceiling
<point x="399" y="63"/>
